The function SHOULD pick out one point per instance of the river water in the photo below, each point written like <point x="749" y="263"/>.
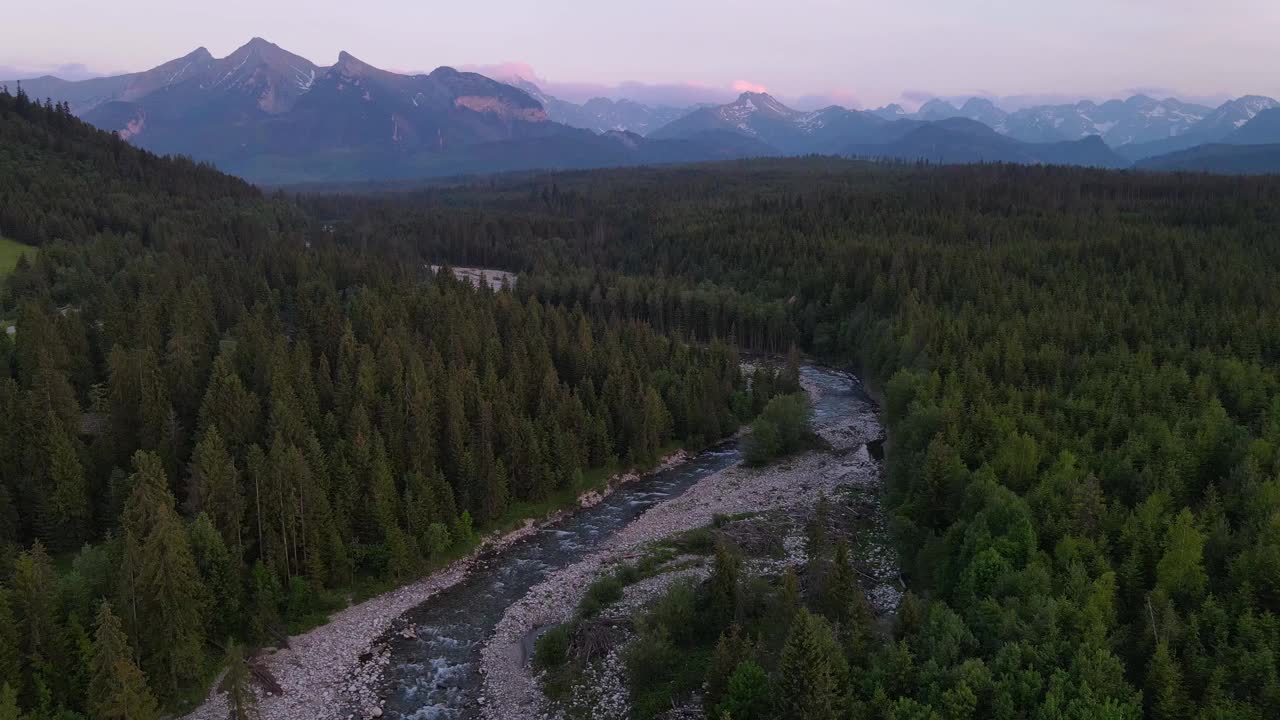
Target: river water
<point x="434" y="676"/>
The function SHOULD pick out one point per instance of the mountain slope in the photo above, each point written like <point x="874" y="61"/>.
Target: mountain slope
<point x="790" y="132"/>
<point x="602" y="114"/>
<point x="1214" y="128"/>
<point x="1263" y="129"/>
<point x="960" y="140"/>
<point x="274" y="117"/>
<point x="1220" y="159"/>
<point x="66" y="180"/>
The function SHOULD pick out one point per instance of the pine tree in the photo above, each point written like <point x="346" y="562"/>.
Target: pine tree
<point x="1165" y="696"/>
<point x="1180" y="572"/>
<point x="213" y="487"/>
<point x="68" y="493"/>
<point x="242" y="703"/>
<point x="165" y="585"/>
<point x="748" y="696"/>
<point x="263" y="607"/>
<point x="807" y="684"/>
<point x="109" y="647"/>
<point x="724" y="587"/>
<point x="78" y="651"/>
<point x="130" y="698"/>
<point x="117" y="688"/>
<point x="845" y="604"/>
<point x="10" y="650"/>
<point x="220" y="574"/>
<point x="731" y="650"/>
<point x="816" y="532"/>
<point x="35" y="603"/>
<point x="9" y="709"/>
<point x="229" y="406"/>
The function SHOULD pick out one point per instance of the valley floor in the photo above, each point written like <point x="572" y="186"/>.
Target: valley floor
<point x="787" y="489"/>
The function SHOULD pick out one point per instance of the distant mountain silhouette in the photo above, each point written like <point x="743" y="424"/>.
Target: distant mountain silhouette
<point x="272" y="116"/>
<point x="1219" y="159"/>
<point x="960" y="140"/>
<point x="275" y="117"/>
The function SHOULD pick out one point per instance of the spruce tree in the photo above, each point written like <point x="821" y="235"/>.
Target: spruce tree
<point x="816" y="532"/>
<point x="9" y="709"/>
<point x="117" y="688"/>
<point x="73" y="681"/>
<point x="35" y="603"/>
<point x="213" y="487"/>
<point x="807" y="680"/>
<point x="68" y="491"/>
<point x="723" y="603"/>
<point x="731" y="650"/>
<point x="220" y="573"/>
<point x="165" y="584"/>
<point x="1165" y="695"/>
<point x="242" y="703"/>
<point x="748" y="696"/>
<point x="10" y="650"/>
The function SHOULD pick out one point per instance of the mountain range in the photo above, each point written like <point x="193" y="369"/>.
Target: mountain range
<point x="275" y="117"/>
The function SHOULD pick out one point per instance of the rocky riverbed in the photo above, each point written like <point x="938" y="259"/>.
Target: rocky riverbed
<point x="511" y="692"/>
<point x="449" y="646"/>
<point x="332" y="671"/>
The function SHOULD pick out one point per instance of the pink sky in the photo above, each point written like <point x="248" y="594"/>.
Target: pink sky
<point x="857" y="52"/>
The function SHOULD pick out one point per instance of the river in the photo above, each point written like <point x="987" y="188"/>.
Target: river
<point x="435" y="674"/>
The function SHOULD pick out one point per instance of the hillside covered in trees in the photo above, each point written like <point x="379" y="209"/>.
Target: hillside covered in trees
<point x="216" y="420"/>
<point x="220" y="408"/>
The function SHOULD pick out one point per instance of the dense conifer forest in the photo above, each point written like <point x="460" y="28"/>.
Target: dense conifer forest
<point x="1079" y="377"/>
<point x="216" y="420"/>
<point x="221" y="410"/>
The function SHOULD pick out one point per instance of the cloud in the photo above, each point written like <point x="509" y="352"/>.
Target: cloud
<point x="66" y="71"/>
<point x="742" y="86"/>
<point x="506" y="71"/>
<point x="680" y="94"/>
<point x="818" y="100"/>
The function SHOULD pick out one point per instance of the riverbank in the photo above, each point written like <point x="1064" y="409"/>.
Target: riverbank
<point x="329" y="671"/>
<point x="511" y="691"/>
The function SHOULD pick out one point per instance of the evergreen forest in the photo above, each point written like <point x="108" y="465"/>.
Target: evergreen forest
<point x="225" y="411"/>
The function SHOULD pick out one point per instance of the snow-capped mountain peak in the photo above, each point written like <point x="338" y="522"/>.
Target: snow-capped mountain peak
<point x="751" y="103"/>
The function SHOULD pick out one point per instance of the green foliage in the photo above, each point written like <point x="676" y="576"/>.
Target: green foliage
<point x="784" y="425"/>
<point x="732" y="649"/>
<point x="11" y="252"/>
<point x="665" y="661"/>
<point x="749" y="695"/>
<point x="723" y="587"/>
<point x="552" y="648"/>
<point x="1078" y="372"/>
<point x="10" y="650"/>
<point x="9" y="709"/>
<point x="165" y="597"/>
<point x="1180" y="572"/>
<point x="603" y="592"/>
<point x="810" y="673"/>
<point x="117" y="688"/>
<point x="330" y="417"/>
<point x="242" y="703"/>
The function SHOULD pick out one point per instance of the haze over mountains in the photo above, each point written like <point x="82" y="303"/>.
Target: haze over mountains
<point x="276" y="117"/>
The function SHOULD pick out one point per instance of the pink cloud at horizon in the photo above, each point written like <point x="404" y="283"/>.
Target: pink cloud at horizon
<point x="742" y="86"/>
